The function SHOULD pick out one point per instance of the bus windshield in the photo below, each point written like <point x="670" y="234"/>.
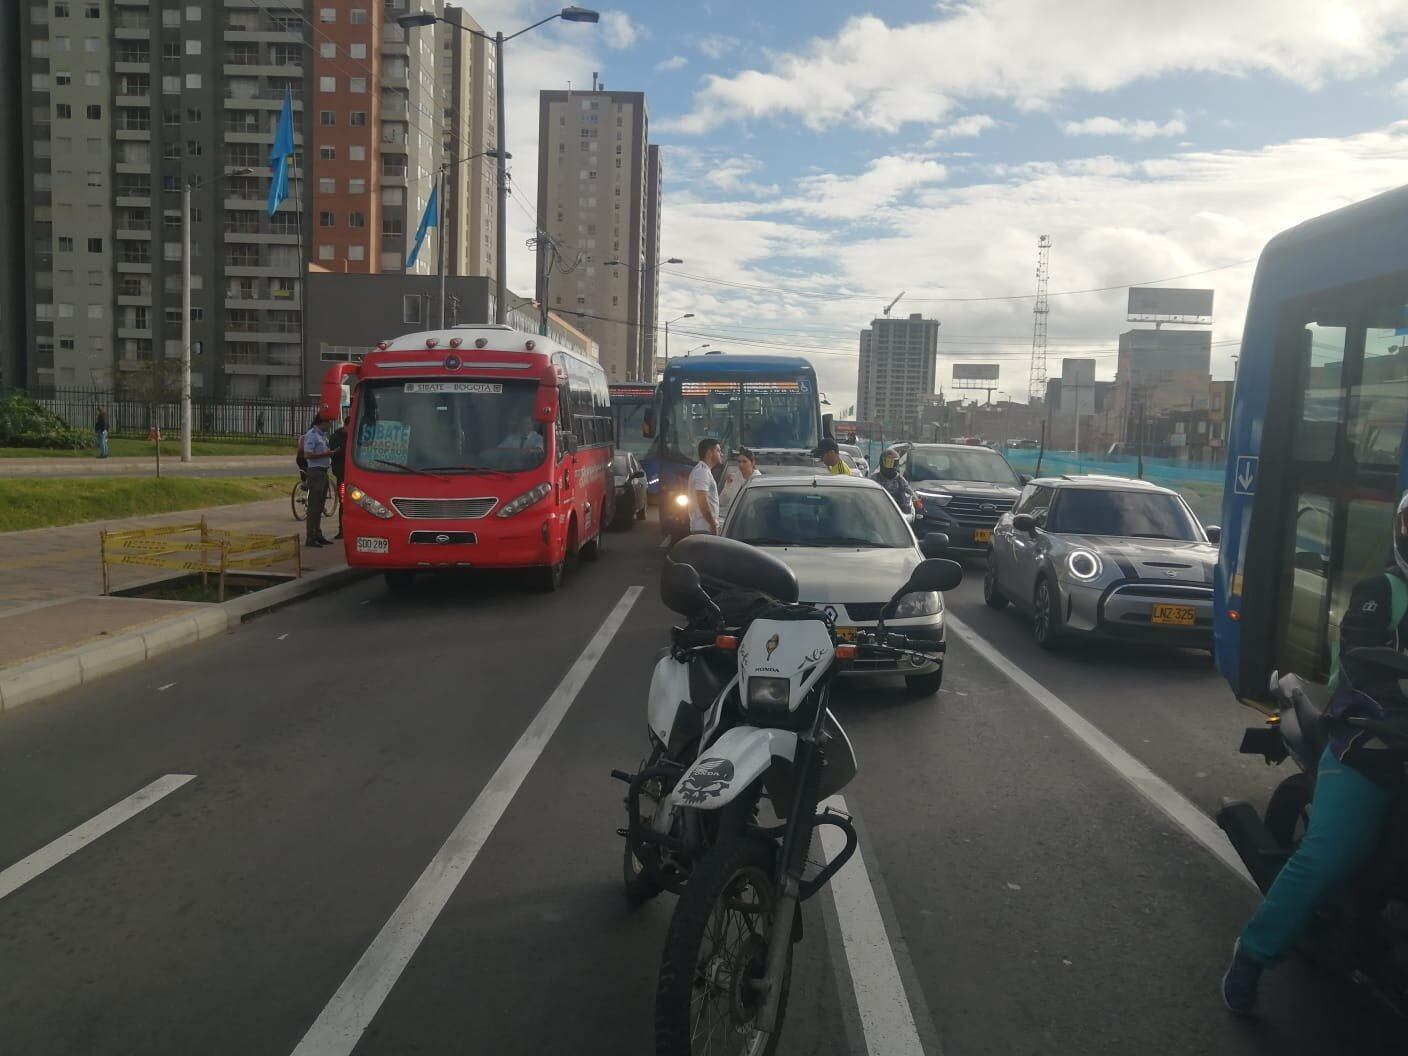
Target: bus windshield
<point x="630" y="421"/>
<point x="778" y="413"/>
<point x="447" y="426"/>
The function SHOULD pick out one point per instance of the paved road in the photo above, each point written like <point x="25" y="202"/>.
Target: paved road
<point x="1030" y="900"/>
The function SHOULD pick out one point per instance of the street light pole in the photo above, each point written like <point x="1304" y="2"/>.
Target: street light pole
<point x="687" y="315"/>
<point x="501" y="157"/>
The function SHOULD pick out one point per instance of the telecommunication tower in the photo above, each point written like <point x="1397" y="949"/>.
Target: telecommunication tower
<point x="1036" y="383"/>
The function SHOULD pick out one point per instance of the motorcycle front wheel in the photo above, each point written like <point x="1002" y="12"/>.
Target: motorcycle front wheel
<point x="641" y="877"/>
<point x="716" y="946"/>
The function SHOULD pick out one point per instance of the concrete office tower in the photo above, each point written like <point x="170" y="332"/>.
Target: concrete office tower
<point x="593" y="191"/>
<point x="1160" y="372"/>
<point x="897" y="360"/>
<point x="467" y="82"/>
<point x="126" y="102"/>
<point x="377" y="138"/>
<point x="651" y="343"/>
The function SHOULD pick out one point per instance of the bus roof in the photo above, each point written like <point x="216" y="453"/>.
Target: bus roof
<point x="1356" y="242"/>
<point x="741" y="364"/>
<point x="467" y="336"/>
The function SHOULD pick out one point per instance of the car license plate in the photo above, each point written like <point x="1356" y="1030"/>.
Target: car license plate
<point x="982" y="535"/>
<point x="371" y="545"/>
<point x="1176" y="615"/>
<point x="846" y="634"/>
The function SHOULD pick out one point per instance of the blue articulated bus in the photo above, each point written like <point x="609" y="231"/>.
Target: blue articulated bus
<point x="768" y="403"/>
<point x="631" y="403"/>
<point x="1316" y="443"/>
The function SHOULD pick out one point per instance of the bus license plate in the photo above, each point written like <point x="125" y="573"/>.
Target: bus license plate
<point x="1175" y="615"/>
<point x="982" y="535"/>
<point x="846" y="634"/>
<point x="372" y="545"/>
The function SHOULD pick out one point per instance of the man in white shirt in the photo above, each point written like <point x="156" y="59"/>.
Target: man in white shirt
<point x="704" y="490"/>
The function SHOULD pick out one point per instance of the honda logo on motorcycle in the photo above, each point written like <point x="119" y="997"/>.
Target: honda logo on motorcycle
<point x="707" y="780"/>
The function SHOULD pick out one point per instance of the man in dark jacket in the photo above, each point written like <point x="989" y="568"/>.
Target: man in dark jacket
<point x="892" y="480"/>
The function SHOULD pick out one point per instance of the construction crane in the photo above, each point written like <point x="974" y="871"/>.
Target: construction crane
<point x="892" y="304"/>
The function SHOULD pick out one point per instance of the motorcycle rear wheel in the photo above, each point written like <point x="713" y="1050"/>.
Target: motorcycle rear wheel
<point x="717" y="941"/>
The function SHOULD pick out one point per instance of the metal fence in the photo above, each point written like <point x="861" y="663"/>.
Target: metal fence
<point x="210" y="419"/>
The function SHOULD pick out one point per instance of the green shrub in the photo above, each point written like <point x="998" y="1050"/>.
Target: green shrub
<point x="24" y="423"/>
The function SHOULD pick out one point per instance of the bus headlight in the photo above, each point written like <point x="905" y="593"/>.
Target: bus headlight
<point x="376" y="509"/>
<point x="681" y="500"/>
<point x="1084" y="565"/>
<point x="919" y="603"/>
<point x="528" y="498"/>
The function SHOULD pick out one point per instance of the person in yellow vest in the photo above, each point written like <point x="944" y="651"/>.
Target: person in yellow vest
<point x="830" y="456"/>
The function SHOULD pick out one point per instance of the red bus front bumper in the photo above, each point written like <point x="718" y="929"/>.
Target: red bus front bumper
<point x="532" y="538"/>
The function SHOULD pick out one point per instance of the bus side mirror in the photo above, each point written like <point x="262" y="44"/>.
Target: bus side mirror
<point x="647" y="426"/>
<point x="828" y="425"/>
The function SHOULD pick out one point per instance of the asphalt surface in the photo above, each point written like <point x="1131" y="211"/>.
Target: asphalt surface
<point x="1032" y="900"/>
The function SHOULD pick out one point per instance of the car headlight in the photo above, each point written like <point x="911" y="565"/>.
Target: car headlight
<point x="919" y="603"/>
<point x="1084" y="565"/>
<point x="376" y="509"/>
<point x="769" y="694"/>
<point x="681" y="500"/>
<point x="528" y="498"/>
<point x="938" y="498"/>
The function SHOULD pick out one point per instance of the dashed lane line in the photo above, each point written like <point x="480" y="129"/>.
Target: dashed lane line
<point x="350" y="1011"/>
<point x="1180" y="810"/>
<point x="51" y="854"/>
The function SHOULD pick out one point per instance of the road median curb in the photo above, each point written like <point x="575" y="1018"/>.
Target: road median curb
<point x="55" y="673"/>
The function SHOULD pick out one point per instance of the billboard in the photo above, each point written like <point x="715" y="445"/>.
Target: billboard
<point x="1077" y="386"/>
<point x="1162" y="304"/>
<point x="975" y="371"/>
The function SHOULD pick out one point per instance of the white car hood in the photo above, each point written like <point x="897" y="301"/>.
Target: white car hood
<point x="848" y="574"/>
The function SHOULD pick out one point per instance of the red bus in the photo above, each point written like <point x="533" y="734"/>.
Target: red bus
<point x="473" y="447"/>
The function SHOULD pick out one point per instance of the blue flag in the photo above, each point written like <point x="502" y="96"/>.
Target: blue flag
<point x="429" y="220"/>
<point x="280" y="153"/>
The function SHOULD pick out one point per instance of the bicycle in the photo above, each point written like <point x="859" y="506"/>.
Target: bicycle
<point x="298" y="498"/>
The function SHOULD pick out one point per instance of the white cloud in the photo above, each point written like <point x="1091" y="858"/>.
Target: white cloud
<point x="674" y="62"/>
<point x="716" y="45"/>
<point x="1111" y="126"/>
<point x="1112" y="221"/>
<point x="968" y="126"/>
<point x="1401" y="89"/>
<point x="618" y="31"/>
<point x="1030" y="52"/>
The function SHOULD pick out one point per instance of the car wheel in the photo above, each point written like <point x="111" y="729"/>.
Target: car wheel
<point x="924" y="685"/>
<point x="992" y="593"/>
<point x="1046" y="613"/>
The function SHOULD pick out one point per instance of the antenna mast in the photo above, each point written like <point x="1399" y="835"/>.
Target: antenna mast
<point x="1036" y="383"/>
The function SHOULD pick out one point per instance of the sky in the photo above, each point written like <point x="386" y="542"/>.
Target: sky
<point x="822" y="157"/>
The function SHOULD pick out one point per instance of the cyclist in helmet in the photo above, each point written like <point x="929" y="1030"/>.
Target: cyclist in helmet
<point x="893" y="481"/>
<point x="1356" y="781"/>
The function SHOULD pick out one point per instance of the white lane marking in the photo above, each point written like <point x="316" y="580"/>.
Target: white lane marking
<point x="885" y="1016"/>
<point x="163" y="689"/>
<point x="282" y="637"/>
<point x="1180" y="810"/>
<point x="365" y="601"/>
<point x="350" y="1011"/>
<point x="51" y="854"/>
<point x="665" y="543"/>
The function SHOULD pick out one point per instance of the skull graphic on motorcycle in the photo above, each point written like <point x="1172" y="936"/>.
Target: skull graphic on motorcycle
<point x="707" y="780"/>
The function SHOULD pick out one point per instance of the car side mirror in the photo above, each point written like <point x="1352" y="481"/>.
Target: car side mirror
<point x="647" y="425"/>
<point x="1025" y="478"/>
<point x="1214" y="533"/>
<point x="828" y="425"/>
<point x="568" y="442"/>
<point x="935" y="544"/>
<point x="1024" y="522"/>
<point x="638" y="474"/>
<point x="936" y="573"/>
<point x="681" y="590"/>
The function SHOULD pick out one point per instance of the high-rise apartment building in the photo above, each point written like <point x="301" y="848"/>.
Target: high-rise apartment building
<point x="897" y="362"/>
<point x="650" y="277"/>
<point x="467" y="80"/>
<point x="13" y="329"/>
<point x="593" y="203"/>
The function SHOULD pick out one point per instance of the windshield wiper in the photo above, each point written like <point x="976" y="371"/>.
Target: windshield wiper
<point x="844" y="540"/>
<point x="408" y="469"/>
<point x="469" y="469"/>
<point x="765" y="541"/>
<point x="1152" y="535"/>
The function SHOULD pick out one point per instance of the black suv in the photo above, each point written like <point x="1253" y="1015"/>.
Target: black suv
<point x="964" y="489"/>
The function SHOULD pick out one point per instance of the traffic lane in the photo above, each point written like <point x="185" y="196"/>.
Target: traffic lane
<point x="1167" y="707"/>
<point x="540" y="921"/>
<point x="331" y="765"/>
<point x="1045" y="905"/>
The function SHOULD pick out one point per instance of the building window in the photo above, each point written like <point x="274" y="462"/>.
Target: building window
<point x="90" y="45"/>
<point x="327" y="84"/>
<point x="65" y="310"/>
<point x="63" y="111"/>
<point x="356" y="186"/>
<point x="92" y="79"/>
<point x="171" y="85"/>
<point x="327" y="118"/>
<point x="325" y="252"/>
<point x="356" y="252"/>
<point x="65" y="244"/>
<point x="327" y="153"/>
<point x="356" y="153"/>
<point x="193" y="114"/>
<point x="192" y="13"/>
<point x="410" y="308"/>
<point x="357" y="85"/>
<point x="356" y="219"/>
<point x="358" y="16"/>
<point x="95" y="278"/>
<point x="327" y="14"/>
<point x="63" y="80"/>
<point x="61" y="10"/>
<point x="95" y="311"/>
<point x="95" y="245"/>
<point x="392" y="226"/>
<point x="326" y="219"/>
<point x="328" y="50"/>
<point x="357" y="51"/>
<point x="327" y="185"/>
<point x="171" y="119"/>
<point x="171" y="250"/>
<point x="357" y="118"/>
<point x="192" y="80"/>
<point x="171" y="18"/>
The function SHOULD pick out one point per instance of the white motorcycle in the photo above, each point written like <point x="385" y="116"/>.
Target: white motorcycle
<point x="742" y="814"/>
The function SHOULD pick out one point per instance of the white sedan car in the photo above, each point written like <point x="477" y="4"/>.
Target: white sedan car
<point x="851" y="549"/>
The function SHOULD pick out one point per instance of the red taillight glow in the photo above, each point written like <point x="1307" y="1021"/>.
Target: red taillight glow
<point x="726" y="642"/>
<point x="455" y="342"/>
<point x="845" y="652"/>
<point x="430" y="342"/>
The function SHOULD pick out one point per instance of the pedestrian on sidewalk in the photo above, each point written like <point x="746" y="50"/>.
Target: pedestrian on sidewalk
<point x="100" y="429"/>
<point x="339" y="468"/>
<point x="315" y="448"/>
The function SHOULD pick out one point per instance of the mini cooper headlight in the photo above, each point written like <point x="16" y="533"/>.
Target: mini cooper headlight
<point x="1083" y="565"/>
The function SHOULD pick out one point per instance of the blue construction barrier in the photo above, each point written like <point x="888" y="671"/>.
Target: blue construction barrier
<point x="1199" y="482"/>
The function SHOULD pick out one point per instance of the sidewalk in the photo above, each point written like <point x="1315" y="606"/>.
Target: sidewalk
<point x="249" y="465"/>
<point x="51" y="578"/>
